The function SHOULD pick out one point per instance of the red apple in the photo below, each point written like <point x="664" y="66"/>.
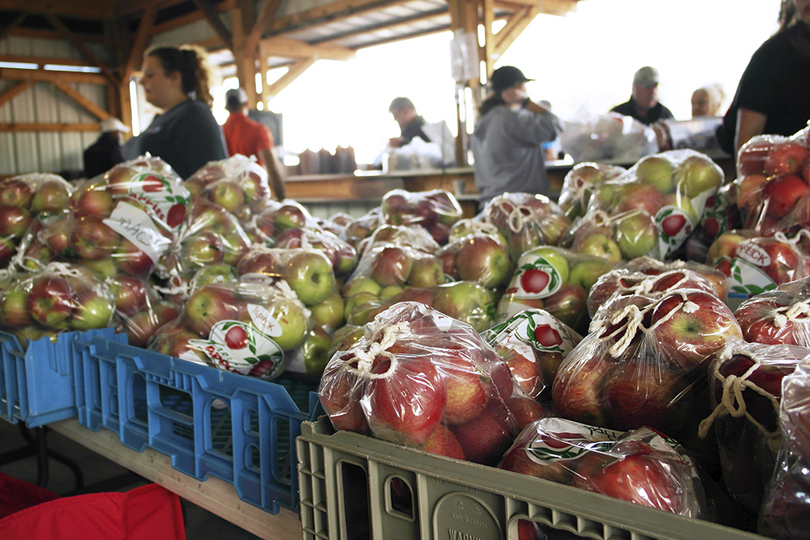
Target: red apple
<point x="444" y="443"/>
<point x="485" y="438"/>
<point x="92" y="239"/>
<point x="405" y="400"/>
<point x="482" y="259"/>
<point x="782" y="194"/>
<point x="130" y="294"/>
<point x="92" y="201"/>
<point x="51" y="300"/>
<point x="392" y="266"/>
<point x="786" y="157"/>
<point x="209" y="305"/>
<point x="14" y="221"/>
<point x="577" y="389"/>
<point x="15" y="192"/>
<point x="204" y="247"/>
<point x="752" y="155"/>
<point x="466" y="395"/>
<point x="640" y="196"/>
<point x="52" y="196"/>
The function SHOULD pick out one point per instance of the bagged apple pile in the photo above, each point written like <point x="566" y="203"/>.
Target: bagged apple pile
<point x="720" y="215"/>
<point x="620" y="237"/>
<point x="555" y="279"/>
<point x="786" y="510"/>
<point x="754" y="263"/>
<point x="526" y="220"/>
<point x="139" y="309"/>
<point x="208" y="235"/>
<point x="478" y="257"/>
<point x="276" y="217"/>
<point x="436" y="211"/>
<point x="237" y="184"/>
<point x="643" y="364"/>
<point x="464" y="301"/>
<point x="639" y="466"/>
<point x="650" y="277"/>
<point x="340" y="253"/>
<point x="673" y="187"/>
<point x="26" y="199"/>
<point x="58" y="298"/>
<point x="746" y="388"/>
<point x="121" y="222"/>
<point x="581" y="182"/>
<point x="780" y="316"/>
<point x="772" y="183"/>
<point x="250" y="327"/>
<point x="419" y="378"/>
<point x="533" y="343"/>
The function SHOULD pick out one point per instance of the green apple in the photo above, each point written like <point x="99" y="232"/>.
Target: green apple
<point x="636" y="235"/>
<point x="92" y="311"/>
<point x="13" y="310"/>
<point x="361" y="284"/>
<point x="555" y="258"/>
<point x="390" y="291"/>
<point x="329" y="313"/>
<point x="656" y="170"/>
<point x="103" y="268"/>
<point x="697" y="174"/>
<point x="356" y="301"/>
<point x="601" y="245"/>
<point x="425" y="272"/>
<point x="309" y="273"/>
<point x="587" y="270"/>
<point x="312" y="357"/>
<point x="293" y="320"/>
<point x="468" y="302"/>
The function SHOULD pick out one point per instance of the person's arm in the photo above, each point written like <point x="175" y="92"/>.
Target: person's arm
<point x="749" y="124"/>
<point x="273" y="173"/>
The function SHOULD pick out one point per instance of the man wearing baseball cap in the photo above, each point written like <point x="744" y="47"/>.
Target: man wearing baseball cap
<point x="248" y="137"/>
<point x="643" y="104"/>
<point x="105" y="153"/>
<point x="508" y="137"/>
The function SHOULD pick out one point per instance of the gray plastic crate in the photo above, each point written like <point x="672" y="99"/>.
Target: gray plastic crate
<point x="353" y="486"/>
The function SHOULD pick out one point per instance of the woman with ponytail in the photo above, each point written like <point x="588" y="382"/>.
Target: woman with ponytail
<point x="185" y="134"/>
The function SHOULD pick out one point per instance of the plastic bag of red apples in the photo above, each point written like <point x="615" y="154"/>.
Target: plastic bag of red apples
<point x="237" y="184"/>
<point x="581" y="182"/>
<point x="754" y="262"/>
<point x="419" y="378"/>
<point x="121" y="222"/>
<point x="780" y="316"/>
<point x="644" y="364"/>
<point x="250" y="326"/>
<point x="639" y="466"/>
<point x="24" y="200"/>
<point x="772" y="182"/>
<point x="745" y="381"/>
<point x="526" y="220"/>
<point x="436" y="211"/>
<point x="57" y="298"/>
<point x="786" y="510"/>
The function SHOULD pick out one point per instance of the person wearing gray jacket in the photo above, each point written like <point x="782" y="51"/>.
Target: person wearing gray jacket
<point x="508" y="136"/>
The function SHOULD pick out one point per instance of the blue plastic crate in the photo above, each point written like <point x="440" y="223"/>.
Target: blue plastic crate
<point x="210" y="422"/>
<point x="36" y="384"/>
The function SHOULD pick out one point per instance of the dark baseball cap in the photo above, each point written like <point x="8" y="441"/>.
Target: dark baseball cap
<point x="506" y="77"/>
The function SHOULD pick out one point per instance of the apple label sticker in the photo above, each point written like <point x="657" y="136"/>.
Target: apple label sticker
<point x="241" y="348"/>
<point x="165" y="199"/>
<point x="674" y="226"/>
<point x="136" y="226"/>
<point x="562" y="440"/>
<point x="536" y="277"/>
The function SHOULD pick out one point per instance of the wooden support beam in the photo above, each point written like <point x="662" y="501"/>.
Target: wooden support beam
<point x="50" y="76"/>
<point x="67" y="34"/>
<point x="91" y="107"/>
<point x="488" y="17"/>
<point x="405" y="23"/>
<point x="20" y="18"/>
<point x="86" y="9"/>
<point x="30" y="126"/>
<point x="515" y="25"/>
<point x="291" y="48"/>
<point x="135" y="58"/>
<point x="14" y="91"/>
<point x="331" y="12"/>
<point x="295" y="70"/>
<point x="216" y="23"/>
<point x="263" y="21"/>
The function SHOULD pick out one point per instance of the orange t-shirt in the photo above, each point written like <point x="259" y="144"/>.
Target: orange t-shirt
<point x="246" y="136"/>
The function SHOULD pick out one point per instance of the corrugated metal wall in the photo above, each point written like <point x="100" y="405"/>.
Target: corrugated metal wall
<point x="42" y="102"/>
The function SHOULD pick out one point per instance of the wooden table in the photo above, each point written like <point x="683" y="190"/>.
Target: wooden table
<point x="215" y="495"/>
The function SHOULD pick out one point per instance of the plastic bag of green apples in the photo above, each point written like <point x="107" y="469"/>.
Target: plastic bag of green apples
<point x="581" y="182"/>
<point x="27" y="202"/>
<point x="59" y="297"/>
<point x="555" y="279"/>
<point x="652" y="209"/>
<point x="250" y="327"/>
<point x="419" y="378"/>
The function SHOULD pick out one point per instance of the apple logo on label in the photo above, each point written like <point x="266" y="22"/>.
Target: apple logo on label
<point x="236" y="338"/>
<point x="547" y="336"/>
<point x="534" y="280"/>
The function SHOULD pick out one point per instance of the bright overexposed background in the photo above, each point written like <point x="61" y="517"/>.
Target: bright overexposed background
<point x="583" y="63"/>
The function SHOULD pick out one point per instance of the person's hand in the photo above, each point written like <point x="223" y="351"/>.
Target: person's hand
<point x="515" y="95"/>
<point x="395" y="142"/>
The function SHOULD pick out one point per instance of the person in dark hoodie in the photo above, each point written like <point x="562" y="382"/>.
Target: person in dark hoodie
<point x="105" y="153"/>
<point x="507" y="139"/>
